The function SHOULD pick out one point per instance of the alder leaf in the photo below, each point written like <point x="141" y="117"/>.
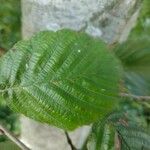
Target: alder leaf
<point x="62" y="78"/>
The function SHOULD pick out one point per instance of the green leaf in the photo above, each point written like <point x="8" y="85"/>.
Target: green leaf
<point x="133" y="138"/>
<point x="119" y="124"/>
<point x="63" y="78"/>
<point x="101" y="137"/>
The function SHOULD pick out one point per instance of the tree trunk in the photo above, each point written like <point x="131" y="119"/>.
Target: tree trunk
<point x="106" y="19"/>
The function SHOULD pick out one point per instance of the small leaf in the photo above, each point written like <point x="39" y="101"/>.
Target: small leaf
<point x="101" y="137"/>
<point x="130" y="135"/>
<point x="133" y="138"/>
<point x="62" y="78"/>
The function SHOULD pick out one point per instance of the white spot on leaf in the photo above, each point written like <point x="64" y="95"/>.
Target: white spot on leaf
<point x="103" y="90"/>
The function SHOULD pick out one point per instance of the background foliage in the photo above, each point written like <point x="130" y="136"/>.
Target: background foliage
<point x="10" y="23"/>
<point x="10" y="26"/>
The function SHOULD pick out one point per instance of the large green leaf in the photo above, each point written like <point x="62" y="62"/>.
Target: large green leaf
<point x="62" y="78"/>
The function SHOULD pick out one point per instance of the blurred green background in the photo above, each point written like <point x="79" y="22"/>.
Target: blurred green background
<point x="134" y="54"/>
<point x="10" y="33"/>
<point x="10" y="23"/>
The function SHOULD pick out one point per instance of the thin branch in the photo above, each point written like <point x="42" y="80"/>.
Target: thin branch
<point x="70" y="141"/>
<point x="117" y="142"/>
<point x="13" y="138"/>
<point x="135" y="97"/>
<point x="123" y="140"/>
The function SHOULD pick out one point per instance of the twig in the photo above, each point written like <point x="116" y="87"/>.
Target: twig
<point x="13" y="138"/>
<point x="123" y="140"/>
<point x="117" y="142"/>
<point x="70" y="141"/>
<point x="135" y="97"/>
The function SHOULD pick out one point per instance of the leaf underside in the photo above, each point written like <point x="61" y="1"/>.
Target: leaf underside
<point x="62" y="78"/>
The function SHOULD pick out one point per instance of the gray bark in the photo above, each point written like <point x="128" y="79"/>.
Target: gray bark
<point x="106" y="19"/>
